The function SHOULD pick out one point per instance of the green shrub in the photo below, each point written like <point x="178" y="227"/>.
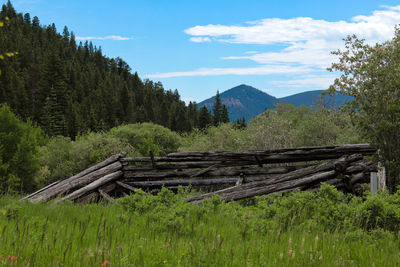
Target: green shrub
<point x="147" y="136"/>
<point x="285" y="126"/>
<point x="62" y="157"/>
<point x="19" y="158"/>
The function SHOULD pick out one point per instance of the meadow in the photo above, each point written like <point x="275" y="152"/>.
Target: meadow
<point x="325" y="228"/>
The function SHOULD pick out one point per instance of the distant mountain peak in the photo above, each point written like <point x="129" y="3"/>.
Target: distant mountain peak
<point x="246" y="101"/>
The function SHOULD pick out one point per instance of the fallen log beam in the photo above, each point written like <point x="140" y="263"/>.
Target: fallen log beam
<point x="41" y="190"/>
<point x="211" y="173"/>
<point x="184" y="182"/>
<point x="109" y="165"/>
<point x="241" y="193"/>
<point x="299" y="151"/>
<point x="320" y="172"/>
<point x="362" y="167"/>
<point x="89" y="198"/>
<point x="126" y="186"/>
<point x="92" y="186"/>
<point x="106" y="196"/>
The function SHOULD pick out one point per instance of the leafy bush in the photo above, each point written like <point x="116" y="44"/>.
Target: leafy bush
<point x="62" y="157"/>
<point x="147" y="136"/>
<point x="285" y="126"/>
<point x="19" y="158"/>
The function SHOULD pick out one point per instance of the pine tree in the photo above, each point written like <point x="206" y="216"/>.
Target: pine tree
<point x="205" y="119"/>
<point x="224" y="115"/>
<point x="217" y="109"/>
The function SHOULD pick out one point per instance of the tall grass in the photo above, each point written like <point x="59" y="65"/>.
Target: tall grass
<point x="163" y="230"/>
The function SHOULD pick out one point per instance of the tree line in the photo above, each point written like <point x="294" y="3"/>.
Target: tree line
<point x="70" y="88"/>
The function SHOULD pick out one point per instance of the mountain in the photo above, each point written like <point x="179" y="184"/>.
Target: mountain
<point x="242" y="101"/>
<point x="246" y="101"/>
<point x="309" y="98"/>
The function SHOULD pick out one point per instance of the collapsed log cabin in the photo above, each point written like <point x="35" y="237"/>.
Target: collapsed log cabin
<point x="232" y="175"/>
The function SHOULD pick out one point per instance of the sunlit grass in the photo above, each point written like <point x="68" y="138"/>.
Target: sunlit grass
<point x="182" y="235"/>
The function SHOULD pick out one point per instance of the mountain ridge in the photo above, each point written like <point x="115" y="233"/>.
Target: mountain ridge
<point x="246" y="101"/>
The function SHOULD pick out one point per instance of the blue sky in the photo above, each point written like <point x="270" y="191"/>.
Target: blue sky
<point x="198" y="47"/>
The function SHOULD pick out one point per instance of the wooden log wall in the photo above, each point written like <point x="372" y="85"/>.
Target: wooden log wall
<point x="240" y="174"/>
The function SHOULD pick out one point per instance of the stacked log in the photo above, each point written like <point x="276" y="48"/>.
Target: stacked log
<point x="299" y="178"/>
<point x="82" y="179"/>
<point x="241" y="174"/>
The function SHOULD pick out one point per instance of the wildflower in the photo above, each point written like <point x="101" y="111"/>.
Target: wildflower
<point x="298" y="201"/>
<point x="9" y="54"/>
<point x="1" y="24"/>
<point x="7" y="18"/>
<point x="105" y="263"/>
<point x="183" y="254"/>
<point x="164" y="261"/>
<point x="3" y="211"/>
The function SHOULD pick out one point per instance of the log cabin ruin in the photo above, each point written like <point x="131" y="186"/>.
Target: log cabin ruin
<point x="233" y="175"/>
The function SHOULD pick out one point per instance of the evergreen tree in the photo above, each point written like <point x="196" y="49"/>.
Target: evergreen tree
<point x="217" y="109"/>
<point x="205" y="118"/>
<point x="240" y="123"/>
<point x="70" y="88"/>
<point x="224" y="115"/>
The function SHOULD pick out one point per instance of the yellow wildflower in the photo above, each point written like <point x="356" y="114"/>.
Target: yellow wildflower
<point x="7" y="18"/>
<point x="1" y="24"/>
<point x="164" y="261"/>
<point x="3" y="211"/>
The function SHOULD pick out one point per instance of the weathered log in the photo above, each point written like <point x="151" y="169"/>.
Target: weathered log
<point x="266" y="156"/>
<point x="212" y="173"/>
<point x="89" y="198"/>
<point x="93" y="185"/>
<point x="41" y="190"/>
<point x="126" y="186"/>
<point x="98" y="170"/>
<point x="184" y="182"/>
<point x="319" y="172"/>
<point x="362" y="167"/>
<point x="241" y="193"/>
<point x="108" y="188"/>
<point x="199" y="173"/>
<point x="359" y="178"/>
<point x="106" y="196"/>
<point x="344" y="149"/>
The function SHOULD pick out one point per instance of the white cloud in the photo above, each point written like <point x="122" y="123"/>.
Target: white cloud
<point x="310" y="81"/>
<point x="305" y="41"/>
<point x="109" y="37"/>
<point x="377" y="27"/>
<point x="305" y="44"/>
<point x="259" y="70"/>
<point x="251" y="52"/>
<point x="200" y="39"/>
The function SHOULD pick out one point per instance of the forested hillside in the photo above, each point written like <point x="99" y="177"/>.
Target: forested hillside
<point x="69" y="87"/>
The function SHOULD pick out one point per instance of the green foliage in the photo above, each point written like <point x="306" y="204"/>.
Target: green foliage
<point x="147" y="136"/>
<point x="220" y="112"/>
<point x="222" y="137"/>
<point x="297" y="229"/>
<point x="19" y="157"/>
<point x="61" y="157"/>
<point x="285" y="126"/>
<point x="371" y="75"/>
<point x="71" y="88"/>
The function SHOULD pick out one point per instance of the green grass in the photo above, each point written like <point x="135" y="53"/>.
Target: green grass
<point x="165" y="231"/>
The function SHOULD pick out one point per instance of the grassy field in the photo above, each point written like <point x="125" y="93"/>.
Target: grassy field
<point x="301" y="229"/>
